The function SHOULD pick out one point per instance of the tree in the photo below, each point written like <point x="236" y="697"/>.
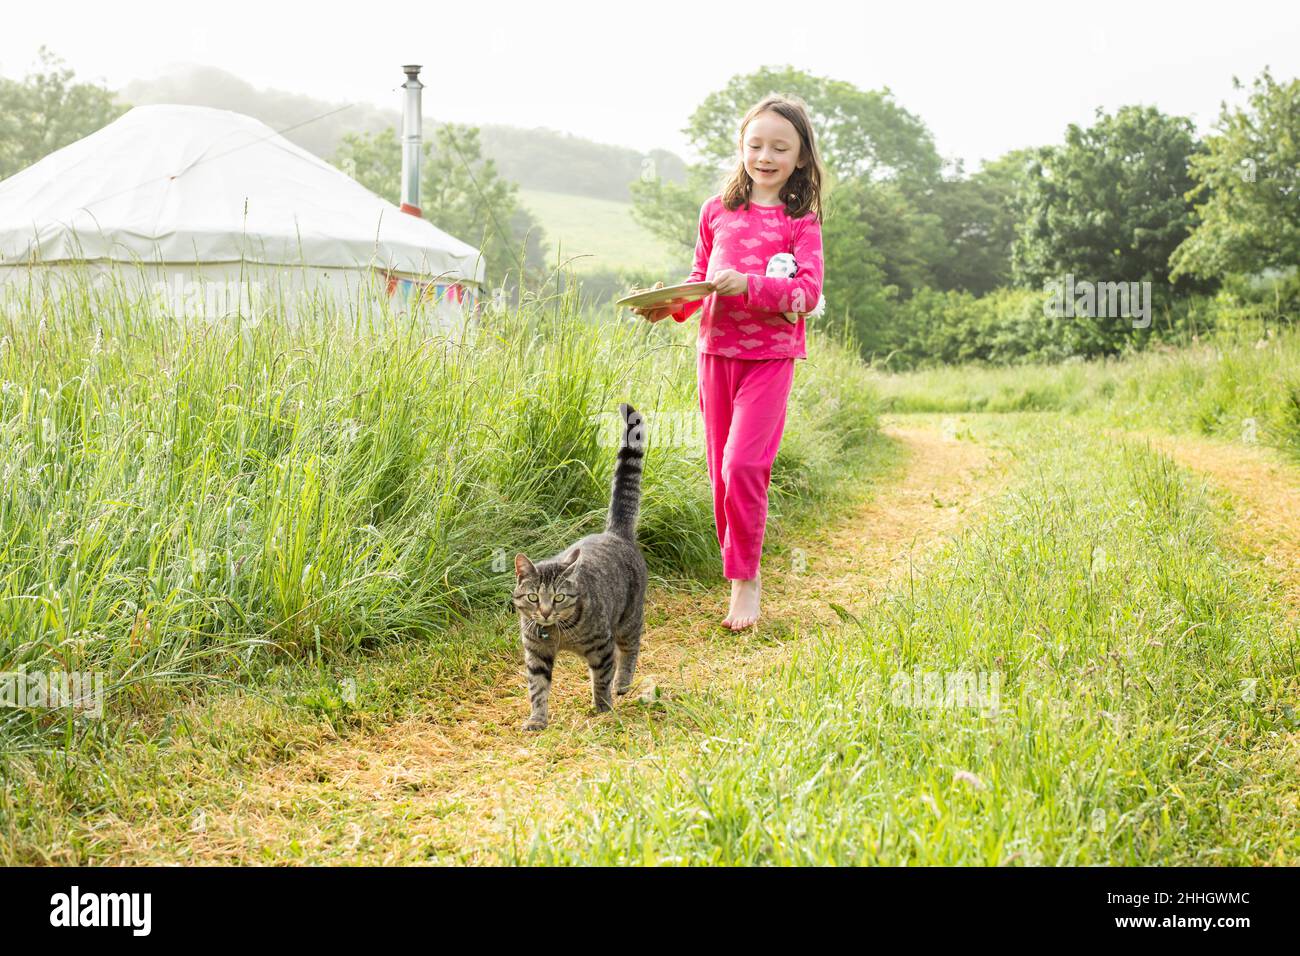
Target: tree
<point x="375" y="161"/>
<point x="46" y="111"/>
<point x="464" y="195"/>
<point x="978" y="216"/>
<point x="902" y="238"/>
<point x="671" y="211"/>
<point x="857" y="287"/>
<point x="1247" y="184"/>
<point x="1109" y="204"/>
<point x="460" y="192"/>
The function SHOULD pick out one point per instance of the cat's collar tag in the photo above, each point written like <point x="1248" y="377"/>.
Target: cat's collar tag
<point x="546" y="634"/>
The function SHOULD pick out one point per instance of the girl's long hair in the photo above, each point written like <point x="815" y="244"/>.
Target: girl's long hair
<point x="802" y="192"/>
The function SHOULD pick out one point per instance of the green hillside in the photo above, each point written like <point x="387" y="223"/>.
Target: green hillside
<point x="602" y="230"/>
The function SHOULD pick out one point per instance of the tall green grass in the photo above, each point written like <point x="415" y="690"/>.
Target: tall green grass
<point x="182" y="500"/>
<point x="1142" y="716"/>
<point x="1240" y="386"/>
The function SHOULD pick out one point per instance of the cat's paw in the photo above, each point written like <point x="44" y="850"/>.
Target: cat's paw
<point x="622" y="691"/>
<point x="534" y="723"/>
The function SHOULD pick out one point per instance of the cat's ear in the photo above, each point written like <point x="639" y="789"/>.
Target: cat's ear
<point x="567" y="570"/>
<point x="523" y="566"/>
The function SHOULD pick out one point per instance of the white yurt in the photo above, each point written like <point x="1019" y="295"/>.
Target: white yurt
<point x="205" y="203"/>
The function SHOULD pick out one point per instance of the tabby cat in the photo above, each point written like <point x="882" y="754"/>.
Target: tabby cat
<point x="590" y="598"/>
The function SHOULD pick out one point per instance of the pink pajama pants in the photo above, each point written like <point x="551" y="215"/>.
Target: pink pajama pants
<point x="743" y="402"/>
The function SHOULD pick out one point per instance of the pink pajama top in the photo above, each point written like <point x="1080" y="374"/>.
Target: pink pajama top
<point x="752" y="326"/>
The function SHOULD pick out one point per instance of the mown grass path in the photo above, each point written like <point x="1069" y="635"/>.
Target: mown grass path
<point x="446" y="786"/>
<point x="1265" y="488"/>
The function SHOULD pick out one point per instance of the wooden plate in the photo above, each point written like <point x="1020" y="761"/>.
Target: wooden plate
<point x="667" y="295"/>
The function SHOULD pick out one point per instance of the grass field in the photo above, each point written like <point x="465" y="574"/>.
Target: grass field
<point x="192" y="506"/>
<point x="1245" y="387"/>
<point x="601" y="231"/>
<point x="1109" y="687"/>
<point x="1005" y="629"/>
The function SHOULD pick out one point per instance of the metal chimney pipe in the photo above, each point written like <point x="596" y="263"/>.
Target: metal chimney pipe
<point x="412" y="121"/>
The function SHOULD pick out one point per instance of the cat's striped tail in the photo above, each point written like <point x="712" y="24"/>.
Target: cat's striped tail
<point x="625" y="498"/>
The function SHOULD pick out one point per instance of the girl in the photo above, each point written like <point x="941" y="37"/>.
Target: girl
<point x="770" y="203"/>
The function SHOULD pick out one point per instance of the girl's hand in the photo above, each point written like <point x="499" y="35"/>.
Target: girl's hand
<point x="730" y="282"/>
<point x="653" y="314"/>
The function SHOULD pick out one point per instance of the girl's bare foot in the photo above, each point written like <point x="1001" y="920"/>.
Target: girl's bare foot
<point x="744" y="603"/>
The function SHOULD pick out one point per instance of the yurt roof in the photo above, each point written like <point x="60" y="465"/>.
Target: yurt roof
<point x="189" y="184"/>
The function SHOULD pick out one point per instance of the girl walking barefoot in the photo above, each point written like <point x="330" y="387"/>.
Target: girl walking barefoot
<point x="747" y="346"/>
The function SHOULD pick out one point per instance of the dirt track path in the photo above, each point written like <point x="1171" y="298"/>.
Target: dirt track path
<point x="444" y="787"/>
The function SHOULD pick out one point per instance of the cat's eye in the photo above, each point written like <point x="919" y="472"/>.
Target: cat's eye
<point x="559" y="598"/>
<point x="533" y="598"/>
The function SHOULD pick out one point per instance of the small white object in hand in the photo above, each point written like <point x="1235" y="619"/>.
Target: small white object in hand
<point x="783" y="266"/>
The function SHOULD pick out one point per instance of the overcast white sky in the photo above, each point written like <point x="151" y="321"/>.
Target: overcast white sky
<point x="985" y="77"/>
